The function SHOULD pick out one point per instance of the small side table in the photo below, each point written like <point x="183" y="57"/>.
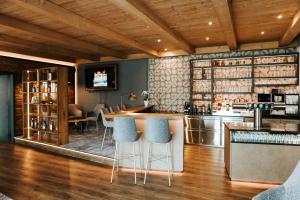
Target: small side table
<point x="78" y="122"/>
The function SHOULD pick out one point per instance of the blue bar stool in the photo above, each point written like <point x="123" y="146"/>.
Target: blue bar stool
<point x="125" y="132"/>
<point x="109" y="124"/>
<point x="157" y="132"/>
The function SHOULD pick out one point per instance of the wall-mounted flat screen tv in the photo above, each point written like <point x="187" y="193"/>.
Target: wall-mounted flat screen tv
<point x="102" y="77"/>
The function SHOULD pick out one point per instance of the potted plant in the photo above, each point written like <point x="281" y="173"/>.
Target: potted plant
<point x="145" y="95"/>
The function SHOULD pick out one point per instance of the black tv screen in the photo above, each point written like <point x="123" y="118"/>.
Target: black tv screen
<point x="102" y="77"/>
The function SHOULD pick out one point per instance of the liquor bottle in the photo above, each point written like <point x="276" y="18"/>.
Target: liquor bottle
<point x="186" y="108"/>
<point x="32" y="124"/>
<point x="208" y="109"/>
<point x="195" y="110"/>
<point x="44" y="125"/>
<point x="49" y="88"/>
<point x="49" y="76"/>
<point x="51" y="126"/>
<point x="189" y="110"/>
<point x="33" y="89"/>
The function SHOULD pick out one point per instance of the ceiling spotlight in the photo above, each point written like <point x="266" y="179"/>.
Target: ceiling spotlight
<point x="210" y="23"/>
<point x="279" y="16"/>
<point x="207" y="38"/>
<point x="262" y="33"/>
<point x="166" y="49"/>
<point x="158" y="40"/>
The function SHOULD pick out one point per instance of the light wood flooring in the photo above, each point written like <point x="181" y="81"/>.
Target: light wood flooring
<point x="26" y="173"/>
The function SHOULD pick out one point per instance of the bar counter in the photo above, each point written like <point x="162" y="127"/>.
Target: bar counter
<point x="176" y="126"/>
<point x="268" y="154"/>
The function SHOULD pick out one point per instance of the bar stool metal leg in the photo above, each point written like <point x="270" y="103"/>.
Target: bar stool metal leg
<point x="103" y="137"/>
<point x="168" y="161"/>
<point x="148" y="162"/>
<point x="171" y="157"/>
<point x="115" y="158"/>
<point x="118" y="156"/>
<point x="141" y="157"/>
<point x="134" y="164"/>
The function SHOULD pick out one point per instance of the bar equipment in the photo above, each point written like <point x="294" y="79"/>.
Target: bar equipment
<point x="257" y="108"/>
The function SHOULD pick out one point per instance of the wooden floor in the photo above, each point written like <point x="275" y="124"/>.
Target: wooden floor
<point x="29" y="174"/>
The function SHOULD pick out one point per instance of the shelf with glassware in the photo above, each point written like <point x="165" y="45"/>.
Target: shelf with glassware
<point x="281" y="70"/>
<point x="201" y="81"/>
<point x="237" y="79"/>
<point x="228" y="76"/>
<point x="45" y="105"/>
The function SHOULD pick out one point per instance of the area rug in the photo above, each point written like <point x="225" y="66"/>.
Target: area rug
<point x="90" y="142"/>
<point x="3" y="197"/>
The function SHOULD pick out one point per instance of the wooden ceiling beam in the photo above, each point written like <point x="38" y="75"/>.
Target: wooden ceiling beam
<point x="46" y="47"/>
<point x="222" y="8"/>
<point x="292" y="31"/>
<point x="141" y="12"/>
<point x="68" y="41"/>
<point x="16" y="49"/>
<point x="70" y="18"/>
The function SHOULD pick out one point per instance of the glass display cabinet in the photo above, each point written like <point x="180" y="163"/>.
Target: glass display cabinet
<point x="45" y="105"/>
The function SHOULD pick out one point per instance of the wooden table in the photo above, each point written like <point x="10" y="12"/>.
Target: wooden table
<point x="78" y="121"/>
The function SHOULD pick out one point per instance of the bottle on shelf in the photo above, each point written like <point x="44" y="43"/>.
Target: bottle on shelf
<point x="32" y="123"/>
<point x="33" y="89"/>
<point x="185" y="107"/>
<point x="51" y="126"/>
<point x="44" y="125"/>
<point x="195" y="110"/>
<point x="209" y="109"/>
<point x="49" y="76"/>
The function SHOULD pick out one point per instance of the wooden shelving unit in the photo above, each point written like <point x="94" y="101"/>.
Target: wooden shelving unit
<point x="227" y="75"/>
<point x="45" y="105"/>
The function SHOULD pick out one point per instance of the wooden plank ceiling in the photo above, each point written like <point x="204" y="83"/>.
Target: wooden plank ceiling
<point x="89" y="29"/>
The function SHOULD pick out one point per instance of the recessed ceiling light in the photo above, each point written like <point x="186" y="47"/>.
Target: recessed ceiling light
<point x="207" y="38"/>
<point x="279" y="16"/>
<point x="166" y="49"/>
<point x="158" y="40"/>
<point x="210" y="23"/>
<point x="262" y="33"/>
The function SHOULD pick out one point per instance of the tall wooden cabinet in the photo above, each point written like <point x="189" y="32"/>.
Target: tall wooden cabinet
<point x="45" y="105"/>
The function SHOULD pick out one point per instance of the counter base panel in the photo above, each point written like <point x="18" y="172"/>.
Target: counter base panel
<point x="263" y="163"/>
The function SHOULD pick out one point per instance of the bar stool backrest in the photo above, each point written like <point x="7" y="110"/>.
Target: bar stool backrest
<point x="157" y="130"/>
<point x="125" y="129"/>
<point x="106" y="123"/>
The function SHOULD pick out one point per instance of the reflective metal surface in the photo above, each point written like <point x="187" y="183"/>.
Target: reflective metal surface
<point x="206" y="130"/>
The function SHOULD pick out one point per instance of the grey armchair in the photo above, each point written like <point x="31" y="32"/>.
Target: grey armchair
<point x="289" y="190"/>
<point x="75" y="111"/>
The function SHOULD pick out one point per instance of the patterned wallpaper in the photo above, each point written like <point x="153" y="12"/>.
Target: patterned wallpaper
<point x="169" y="77"/>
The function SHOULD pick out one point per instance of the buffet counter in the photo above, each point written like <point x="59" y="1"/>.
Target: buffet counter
<point x="268" y="154"/>
<point x="177" y="130"/>
<point x="208" y="129"/>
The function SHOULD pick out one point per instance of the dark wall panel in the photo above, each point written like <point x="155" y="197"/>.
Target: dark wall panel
<point x="133" y="76"/>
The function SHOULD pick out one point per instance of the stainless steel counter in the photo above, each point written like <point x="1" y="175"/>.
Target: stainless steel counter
<point x="207" y="129"/>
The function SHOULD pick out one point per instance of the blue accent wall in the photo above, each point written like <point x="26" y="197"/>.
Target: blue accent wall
<point x="132" y="76"/>
<point x="6" y="108"/>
